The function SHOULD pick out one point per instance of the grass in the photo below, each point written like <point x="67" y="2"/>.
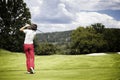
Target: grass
<point x="60" y="67"/>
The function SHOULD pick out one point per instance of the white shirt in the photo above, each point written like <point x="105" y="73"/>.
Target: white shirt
<point x="29" y="36"/>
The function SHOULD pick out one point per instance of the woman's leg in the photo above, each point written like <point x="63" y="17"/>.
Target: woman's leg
<point x="32" y="56"/>
<point x="27" y="53"/>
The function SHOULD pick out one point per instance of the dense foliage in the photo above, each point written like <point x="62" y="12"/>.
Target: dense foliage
<point x="113" y="39"/>
<point x="95" y="38"/>
<point x="13" y="15"/>
<point x="91" y="39"/>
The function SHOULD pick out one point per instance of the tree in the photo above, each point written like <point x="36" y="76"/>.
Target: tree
<point x="86" y="40"/>
<point x="113" y="39"/>
<point x="99" y="27"/>
<point x="13" y="15"/>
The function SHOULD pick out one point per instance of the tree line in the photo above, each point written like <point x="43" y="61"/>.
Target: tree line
<point x="90" y="39"/>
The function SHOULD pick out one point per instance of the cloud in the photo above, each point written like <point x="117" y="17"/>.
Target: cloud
<point x="51" y="13"/>
<point x="92" y="5"/>
<point x="55" y="27"/>
<point x="88" y="18"/>
<point x="82" y="19"/>
<point x="61" y="15"/>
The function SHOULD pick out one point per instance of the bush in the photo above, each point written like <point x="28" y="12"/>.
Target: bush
<point x="45" y="49"/>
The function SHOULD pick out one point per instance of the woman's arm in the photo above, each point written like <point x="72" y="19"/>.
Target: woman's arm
<point x="22" y="28"/>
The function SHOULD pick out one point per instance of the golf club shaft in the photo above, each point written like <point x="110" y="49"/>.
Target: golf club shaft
<point x="40" y="31"/>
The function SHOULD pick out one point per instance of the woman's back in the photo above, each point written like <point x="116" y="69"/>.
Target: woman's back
<point x="29" y="36"/>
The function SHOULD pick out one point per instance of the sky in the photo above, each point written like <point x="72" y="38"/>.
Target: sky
<point x="63" y="15"/>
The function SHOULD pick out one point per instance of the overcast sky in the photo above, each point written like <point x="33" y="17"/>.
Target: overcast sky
<point x="62" y="15"/>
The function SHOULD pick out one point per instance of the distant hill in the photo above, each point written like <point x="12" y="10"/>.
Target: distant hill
<point x="55" y="37"/>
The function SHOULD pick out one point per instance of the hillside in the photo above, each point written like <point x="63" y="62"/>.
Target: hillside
<point x="55" y="37"/>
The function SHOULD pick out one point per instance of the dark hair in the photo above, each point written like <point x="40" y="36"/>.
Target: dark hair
<point x="29" y="27"/>
<point x="34" y="27"/>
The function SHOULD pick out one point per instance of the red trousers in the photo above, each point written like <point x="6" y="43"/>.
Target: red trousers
<point x="29" y="51"/>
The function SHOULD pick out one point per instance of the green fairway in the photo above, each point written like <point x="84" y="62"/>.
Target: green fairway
<point x="60" y="67"/>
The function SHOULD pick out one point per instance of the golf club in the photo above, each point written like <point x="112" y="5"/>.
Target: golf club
<point x="40" y="31"/>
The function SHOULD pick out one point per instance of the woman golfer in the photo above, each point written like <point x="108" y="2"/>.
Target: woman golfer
<point x="30" y="32"/>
